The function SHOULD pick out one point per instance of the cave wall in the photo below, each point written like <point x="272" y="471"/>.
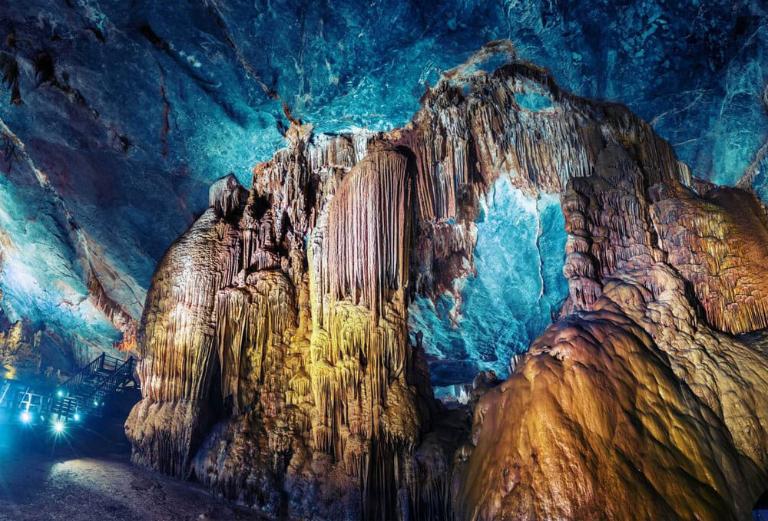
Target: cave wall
<point x="517" y="278"/>
<point x="129" y="111"/>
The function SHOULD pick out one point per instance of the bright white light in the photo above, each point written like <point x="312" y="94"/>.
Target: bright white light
<point x="59" y="393"/>
<point x="20" y="275"/>
<point x="95" y="403"/>
<point x="58" y="426"/>
<point x="26" y="417"/>
<point x="77" y="417"/>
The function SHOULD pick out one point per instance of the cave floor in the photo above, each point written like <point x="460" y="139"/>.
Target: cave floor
<point x="96" y="481"/>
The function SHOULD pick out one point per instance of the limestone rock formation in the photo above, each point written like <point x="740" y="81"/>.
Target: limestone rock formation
<point x="19" y="353"/>
<point x="30" y="352"/>
<point x="302" y="358"/>
<point x="632" y="410"/>
<point x="277" y="366"/>
<point x="114" y="115"/>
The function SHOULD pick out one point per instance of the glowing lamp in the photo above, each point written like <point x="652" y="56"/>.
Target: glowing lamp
<point x="60" y="393"/>
<point x="76" y="417"/>
<point x="26" y="417"/>
<point x="58" y="426"/>
<point x="95" y="403"/>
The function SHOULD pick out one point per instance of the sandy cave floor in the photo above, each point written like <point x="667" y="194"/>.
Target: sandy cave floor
<point x="89" y="480"/>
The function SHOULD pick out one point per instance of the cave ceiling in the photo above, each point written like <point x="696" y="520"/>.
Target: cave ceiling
<point x="116" y="116"/>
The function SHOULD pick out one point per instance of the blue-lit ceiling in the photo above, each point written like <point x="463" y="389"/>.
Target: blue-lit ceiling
<point x="131" y="109"/>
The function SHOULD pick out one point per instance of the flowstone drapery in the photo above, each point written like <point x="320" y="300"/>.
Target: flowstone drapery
<point x="279" y="370"/>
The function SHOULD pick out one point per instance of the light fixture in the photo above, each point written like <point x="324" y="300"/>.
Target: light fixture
<point x="76" y="417"/>
<point x="26" y="417"/>
<point x="60" y="393"/>
<point x="58" y="426"/>
<point x="95" y="403"/>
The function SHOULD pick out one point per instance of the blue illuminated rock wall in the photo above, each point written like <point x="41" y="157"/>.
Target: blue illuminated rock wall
<point x="518" y="286"/>
<point x="132" y="108"/>
<point x="41" y="278"/>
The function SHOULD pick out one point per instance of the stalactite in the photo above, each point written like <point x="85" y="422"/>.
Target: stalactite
<point x="288" y="310"/>
<point x="368" y="232"/>
<point x="250" y="323"/>
<point x="116" y="314"/>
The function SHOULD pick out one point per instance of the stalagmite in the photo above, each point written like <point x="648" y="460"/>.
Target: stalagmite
<point x="176" y="342"/>
<point x="276" y="360"/>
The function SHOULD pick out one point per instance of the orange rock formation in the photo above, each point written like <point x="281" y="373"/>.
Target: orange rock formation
<point x="276" y="361"/>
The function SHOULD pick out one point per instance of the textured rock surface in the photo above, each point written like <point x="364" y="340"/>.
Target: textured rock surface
<point x="307" y="366"/>
<point x="517" y="278"/>
<point x="632" y="410"/>
<point x="633" y="405"/>
<point x="279" y="370"/>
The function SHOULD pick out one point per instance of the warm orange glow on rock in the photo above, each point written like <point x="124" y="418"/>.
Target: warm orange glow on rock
<point x="277" y="365"/>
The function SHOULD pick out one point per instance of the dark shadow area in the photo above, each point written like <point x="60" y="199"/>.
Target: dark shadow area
<point x="760" y="510"/>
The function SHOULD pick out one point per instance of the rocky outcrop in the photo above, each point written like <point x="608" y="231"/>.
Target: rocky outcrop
<point x="302" y="358"/>
<point x="635" y="404"/>
<point x="31" y="353"/>
<point x="277" y="366"/>
<point x="178" y="360"/>
<point x="632" y="410"/>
